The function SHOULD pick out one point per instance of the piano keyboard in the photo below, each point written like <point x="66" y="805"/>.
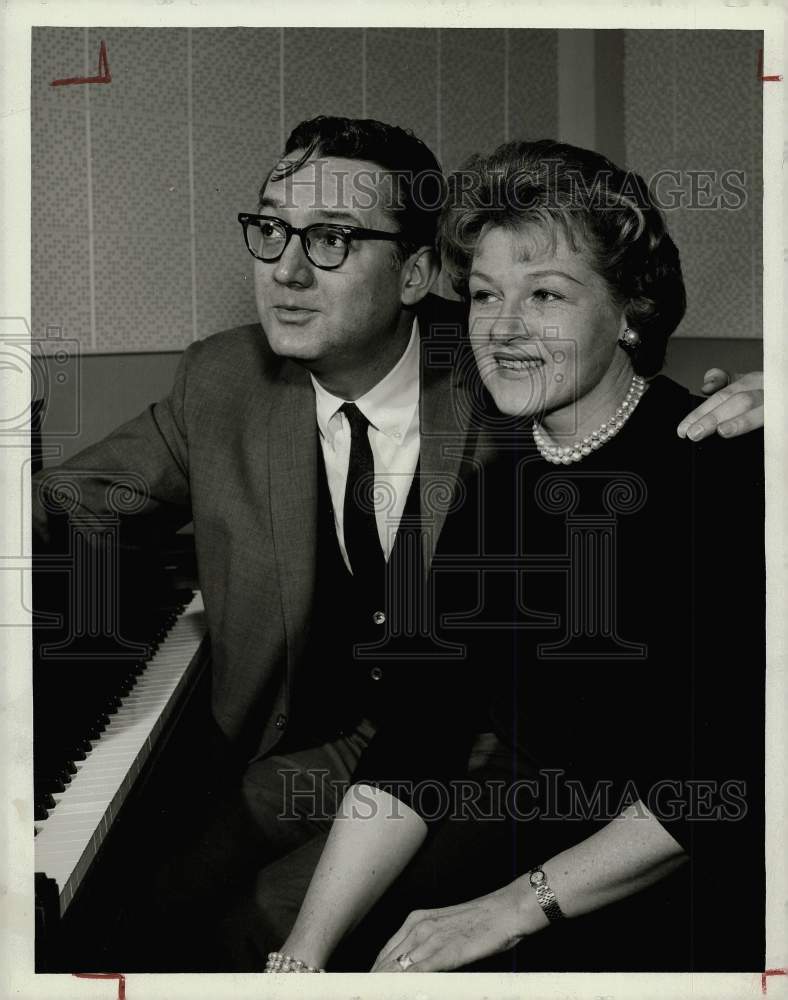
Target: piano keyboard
<point x="69" y="838"/>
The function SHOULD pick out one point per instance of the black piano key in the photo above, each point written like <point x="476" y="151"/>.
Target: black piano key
<point x="76" y="696"/>
<point x="51" y="783"/>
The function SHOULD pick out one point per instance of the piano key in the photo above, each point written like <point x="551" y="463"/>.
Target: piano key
<point x="68" y="839"/>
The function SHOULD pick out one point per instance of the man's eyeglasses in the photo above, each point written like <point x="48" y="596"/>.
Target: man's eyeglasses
<point x="325" y="245"/>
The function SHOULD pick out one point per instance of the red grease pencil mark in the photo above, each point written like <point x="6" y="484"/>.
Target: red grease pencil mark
<point x="771" y="972"/>
<point x="765" y="79"/>
<point x="106" y="975"/>
<point x="104" y="75"/>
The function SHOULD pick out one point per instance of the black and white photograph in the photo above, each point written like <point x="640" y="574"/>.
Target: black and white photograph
<point x="393" y="464"/>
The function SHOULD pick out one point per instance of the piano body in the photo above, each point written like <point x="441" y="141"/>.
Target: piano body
<point x="107" y="701"/>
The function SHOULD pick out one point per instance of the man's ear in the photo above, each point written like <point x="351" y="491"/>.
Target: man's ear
<point x="419" y="273"/>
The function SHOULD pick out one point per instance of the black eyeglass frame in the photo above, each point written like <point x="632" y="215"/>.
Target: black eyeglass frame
<point x="352" y="232"/>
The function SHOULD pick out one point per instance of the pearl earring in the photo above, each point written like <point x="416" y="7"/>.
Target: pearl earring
<point x="629" y="339"/>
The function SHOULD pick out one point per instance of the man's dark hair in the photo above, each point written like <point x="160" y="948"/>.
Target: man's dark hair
<point x="415" y="198"/>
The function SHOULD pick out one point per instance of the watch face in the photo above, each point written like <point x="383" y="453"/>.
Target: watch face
<point x="537" y="878"/>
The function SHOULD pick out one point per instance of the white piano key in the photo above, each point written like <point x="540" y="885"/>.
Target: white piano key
<point x="71" y="835"/>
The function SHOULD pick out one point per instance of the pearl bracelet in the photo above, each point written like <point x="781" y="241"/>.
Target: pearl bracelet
<point x="277" y="962"/>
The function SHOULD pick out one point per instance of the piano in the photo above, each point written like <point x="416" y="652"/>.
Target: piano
<point x="103" y="715"/>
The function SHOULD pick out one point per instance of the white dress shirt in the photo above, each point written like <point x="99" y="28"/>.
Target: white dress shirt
<point x="392" y="409"/>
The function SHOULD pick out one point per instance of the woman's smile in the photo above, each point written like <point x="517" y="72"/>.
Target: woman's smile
<point x="507" y="364"/>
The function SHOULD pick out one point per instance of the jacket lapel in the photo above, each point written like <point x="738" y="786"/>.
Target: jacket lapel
<point x="292" y="477"/>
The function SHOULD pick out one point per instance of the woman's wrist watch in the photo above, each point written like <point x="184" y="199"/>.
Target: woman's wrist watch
<point x="545" y="895"/>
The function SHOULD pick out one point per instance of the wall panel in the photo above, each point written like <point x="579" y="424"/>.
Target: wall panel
<point x="402" y="79"/>
<point x="472" y="100"/>
<point x="532" y="84"/>
<point x="59" y="188"/>
<point x="322" y="73"/>
<point x="693" y="103"/>
<point x="142" y="262"/>
<point x="235" y="138"/>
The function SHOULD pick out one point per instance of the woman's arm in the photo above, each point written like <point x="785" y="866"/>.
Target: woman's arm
<point x="375" y="836"/>
<point x="372" y="839"/>
<point x="629" y="854"/>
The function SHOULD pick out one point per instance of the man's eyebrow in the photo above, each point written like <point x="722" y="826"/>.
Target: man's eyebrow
<point x="337" y="215"/>
<point x="340" y="214"/>
<point x="269" y="202"/>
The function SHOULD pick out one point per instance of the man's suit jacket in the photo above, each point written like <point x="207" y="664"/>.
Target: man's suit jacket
<point x="234" y="447"/>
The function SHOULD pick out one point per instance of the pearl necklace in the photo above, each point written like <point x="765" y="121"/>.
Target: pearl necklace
<point x="577" y="451"/>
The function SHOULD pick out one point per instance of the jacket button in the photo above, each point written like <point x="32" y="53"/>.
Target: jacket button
<point x="281" y="721"/>
<point x="379" y="618"/>
<point x="376" y="673"/>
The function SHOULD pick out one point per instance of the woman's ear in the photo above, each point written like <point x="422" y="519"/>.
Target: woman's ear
<point x="419" y="273"/>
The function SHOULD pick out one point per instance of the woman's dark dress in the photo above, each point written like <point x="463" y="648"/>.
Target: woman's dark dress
<point x="614" y="628"/>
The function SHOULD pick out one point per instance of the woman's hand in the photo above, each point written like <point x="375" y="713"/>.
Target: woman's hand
<point x="455" y="936"/>
<point x="735" y="408"/>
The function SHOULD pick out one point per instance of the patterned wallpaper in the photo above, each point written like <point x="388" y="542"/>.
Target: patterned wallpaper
<point x="136" y="184"/>
<point x="693" y="103"/>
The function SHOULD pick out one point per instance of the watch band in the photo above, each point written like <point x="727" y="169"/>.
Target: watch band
<point x="545" y="895"/>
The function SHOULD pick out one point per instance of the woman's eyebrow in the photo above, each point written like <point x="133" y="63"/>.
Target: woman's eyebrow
<point x="551" y="272"/>
<point x="547" y="272"/>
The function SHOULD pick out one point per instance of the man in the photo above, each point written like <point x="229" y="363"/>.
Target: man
<point x="266" y="442"/>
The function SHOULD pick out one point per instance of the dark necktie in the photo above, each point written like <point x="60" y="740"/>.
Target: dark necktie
<point x="362" y="541"/>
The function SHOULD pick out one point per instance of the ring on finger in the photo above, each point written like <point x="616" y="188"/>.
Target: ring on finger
<point x="404" y="961"/>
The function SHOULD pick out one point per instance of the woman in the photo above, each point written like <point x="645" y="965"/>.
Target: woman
<point x="623" y="687"/>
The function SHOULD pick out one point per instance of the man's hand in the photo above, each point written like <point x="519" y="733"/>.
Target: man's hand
<point x="455" y="936"/>
<point x="735" y="408"/>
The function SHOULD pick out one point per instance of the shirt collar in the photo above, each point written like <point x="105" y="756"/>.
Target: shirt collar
<point x="389" y="406"/>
